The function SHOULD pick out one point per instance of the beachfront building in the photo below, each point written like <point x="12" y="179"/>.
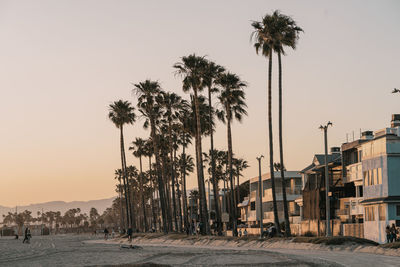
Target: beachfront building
<point x="380" y="166"/>
<point x="249" y="207"/>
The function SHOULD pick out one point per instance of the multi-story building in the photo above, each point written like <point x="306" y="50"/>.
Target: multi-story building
<point x="380" y="159"/>
<point x="250" y="205"/>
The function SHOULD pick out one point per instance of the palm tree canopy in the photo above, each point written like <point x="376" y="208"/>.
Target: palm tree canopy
<point x="138" y="147"/>
<point x="121" y="112"/>
<point x="274" y="32"/>
<point x="212" y="71"/>
<point x="191" y="69"/>
<point x="231" y="97"/>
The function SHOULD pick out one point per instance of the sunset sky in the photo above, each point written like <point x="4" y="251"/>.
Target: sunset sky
<point x="64" y="62"/>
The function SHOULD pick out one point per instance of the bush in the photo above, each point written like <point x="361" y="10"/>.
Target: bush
<point x="394" y="245"/>
<point x="335" y="240"/>
<point x="309" y="234"/>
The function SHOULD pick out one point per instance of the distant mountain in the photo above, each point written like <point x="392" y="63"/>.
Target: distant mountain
<point x="61" y="206"/>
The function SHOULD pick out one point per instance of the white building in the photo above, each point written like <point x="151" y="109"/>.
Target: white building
<point x="373" y="164"/>
<point x="250" y="206"/>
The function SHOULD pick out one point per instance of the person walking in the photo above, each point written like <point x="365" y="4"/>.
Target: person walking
<point x="388" y="235"/>
<point x="27" y="235"/>
<point x="393" y="233"/>
<point x="130" y="232"/>
<point x="106" y="233"/>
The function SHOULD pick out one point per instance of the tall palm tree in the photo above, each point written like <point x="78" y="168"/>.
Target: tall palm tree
<point x="278" y="31"/>
<point x="232" y="98"/>
<point x="147" y="93"/>
<point x="240" y="165"/>
<point x="191" y="68"/>
<point x="264" y="42"/>
<point x="172" y="104"/>
<point x="121" y="113"/>
<point x="149" y="153"/>
<point x="138" y="148"/>
<point x="211" y="73"/>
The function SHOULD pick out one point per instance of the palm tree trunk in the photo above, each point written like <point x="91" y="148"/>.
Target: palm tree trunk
<point x="271" y="145"/>
<point x="153" y="211"/>
<point x="179" y="208"/>
<point x="174" y="212"/>
<point x="233" y="195"/>
<point x="213" y="178"/>
<point x="130" y="196"/>
<point x="285" y="206"/>
<point x="237" y="188"/>
<point x="185" y="210"/>
<point x="142" y="194"/>
<point x="120" y="203"/>
<point x="124" y="178"/>
<point x="200" y="173"/>
<point x="160" y="181"/>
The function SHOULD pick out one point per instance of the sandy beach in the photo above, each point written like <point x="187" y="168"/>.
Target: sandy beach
<point x="86" y="250"/>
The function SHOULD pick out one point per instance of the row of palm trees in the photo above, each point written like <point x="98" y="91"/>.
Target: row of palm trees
<point x="173" y="122"/>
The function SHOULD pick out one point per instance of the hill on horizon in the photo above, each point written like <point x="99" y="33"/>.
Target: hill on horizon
<point x="62" y="206"/>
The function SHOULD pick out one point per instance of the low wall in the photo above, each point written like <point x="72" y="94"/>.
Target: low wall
<point x="353" y="229"/>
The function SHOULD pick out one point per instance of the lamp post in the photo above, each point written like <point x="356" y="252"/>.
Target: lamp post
<point x="260" y="188"/>
<point x="327" y="199"/>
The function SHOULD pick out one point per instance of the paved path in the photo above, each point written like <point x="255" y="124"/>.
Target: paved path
<point x="70" y="250"/>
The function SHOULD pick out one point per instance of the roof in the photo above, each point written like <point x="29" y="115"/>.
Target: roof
<point x="381" y="200"/>
<point x="277" y="175"/>
<point x="319" y="161"/>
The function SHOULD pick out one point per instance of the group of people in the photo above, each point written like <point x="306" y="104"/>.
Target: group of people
<point x="244" y="232"/>
<point x="391" y="233"/>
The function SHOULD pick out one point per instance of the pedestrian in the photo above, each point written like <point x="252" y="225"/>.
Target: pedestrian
<point x="130" y="232"/>
<point x="113" y="233"/>
<point x="245" y="232"/>
<point x="388" y="235"/>
<point x="27" y="236"/>
<point x="393" y="233"/>
<point x="106" y="233"/>
<point x="240" y="232"/>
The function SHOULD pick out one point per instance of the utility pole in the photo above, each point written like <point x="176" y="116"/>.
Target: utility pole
<point x="327" y="197"/>
<point x="260" y="189"/>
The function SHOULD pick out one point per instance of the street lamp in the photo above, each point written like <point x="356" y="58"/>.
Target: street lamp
<point x="327" y="199"/>
<point x="260" y="188"/>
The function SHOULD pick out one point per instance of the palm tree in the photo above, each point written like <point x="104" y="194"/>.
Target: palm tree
<point x="172" y="104"/>
<point x="240" y="165"/>
<point x="147" y="93"/>
<point x="232" y="98"/>
<point x="264" y="42"/>
<point x="121" y="113"/>
<point x="118" y="176"/>
<point x="148" y="148"/>
<point x="138" y="147"/>
<point x="211" y="73"/>
<point x="191" y="69"/>
<point x="277" y="31"/>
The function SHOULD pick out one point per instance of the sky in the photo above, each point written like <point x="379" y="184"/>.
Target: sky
<point x="64" y="62"/>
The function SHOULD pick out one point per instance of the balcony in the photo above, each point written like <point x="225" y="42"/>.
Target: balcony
<point x="355" y="207"/>
<point x="354" y="172"/>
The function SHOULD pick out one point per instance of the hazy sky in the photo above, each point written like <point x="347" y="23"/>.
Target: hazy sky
<point x="64" y="62"/>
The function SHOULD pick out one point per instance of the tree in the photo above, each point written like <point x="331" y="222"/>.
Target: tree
<point x="93" y="216"/>
<point x="232" y="98"/>
<point x="138" y="147"/>
<point x="277" y="31"/>
<point x="240" y="165"/>
<point x="191" y="68"/>
<point x="211" y="73"/>
<point x="264" y="41"/>
<point x="147" y="92"/>
<point x="121" y="113"/>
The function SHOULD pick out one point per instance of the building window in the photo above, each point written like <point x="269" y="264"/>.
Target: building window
<point x="379" y="175"/>
<point x="253" y="205"/>
<point x="369" y="213"/>
<point x="382" y="212"/>
<point x="398" y="210"/>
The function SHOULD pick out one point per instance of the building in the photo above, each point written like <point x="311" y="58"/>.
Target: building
<point x="249" y="207"/>
<point x="379" y="158"/>
<point x="312" y="202"/>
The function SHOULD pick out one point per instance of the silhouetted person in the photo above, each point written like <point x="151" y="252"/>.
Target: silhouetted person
<point x="388" y="235"/>
<point x="27" y="235"/>
<point x="393" y="233"/>
<point x="106" y="233"/>
<point x="130" y="232"/>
